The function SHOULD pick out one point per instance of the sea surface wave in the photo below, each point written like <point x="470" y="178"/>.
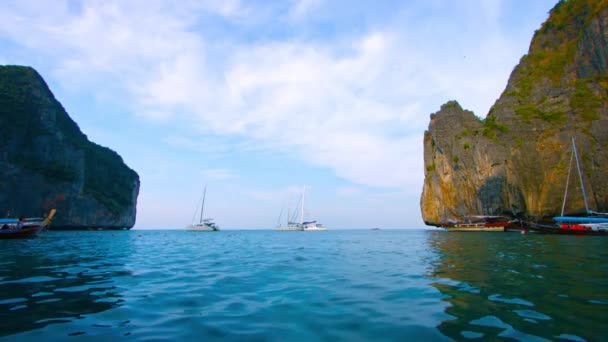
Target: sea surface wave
<point x="347" y="285"/>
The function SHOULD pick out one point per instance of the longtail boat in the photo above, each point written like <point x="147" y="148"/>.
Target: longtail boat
<point x="481" y="223"/>
<point x="11" y="228"/>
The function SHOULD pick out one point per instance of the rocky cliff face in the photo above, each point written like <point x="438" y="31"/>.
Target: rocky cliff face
<point x="516" y="160"/>
<point x="47" y="162"/>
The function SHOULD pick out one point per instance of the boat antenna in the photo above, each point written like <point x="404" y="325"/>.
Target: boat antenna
<point x="567" y="182"/>
<point x="580" y="175"/>
<point x="203" y="206"/>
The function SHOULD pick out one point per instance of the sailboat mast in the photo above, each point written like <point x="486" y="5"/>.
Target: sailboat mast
<point x="567" y="183"/>
<point x="580" y="175"/>
<point x="203" y="205"/>
<point x="302" y="210"/>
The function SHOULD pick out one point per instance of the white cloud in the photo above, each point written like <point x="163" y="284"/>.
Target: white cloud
<point x="357" y="105"/>
<point x="348" y="191"/>
<point x="302" y="8"/>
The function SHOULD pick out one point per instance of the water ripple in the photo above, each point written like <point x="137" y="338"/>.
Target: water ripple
<point x="264" y="285"/>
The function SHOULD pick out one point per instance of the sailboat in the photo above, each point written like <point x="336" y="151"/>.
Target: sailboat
<point x="204" y="225"/>
<point x="310" y="225"/>
<point x="291" y="225"/>
<point x="593" y="223"/>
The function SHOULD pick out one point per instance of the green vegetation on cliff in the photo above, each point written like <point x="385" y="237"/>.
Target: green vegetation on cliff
<point x="32" y="122"/>
<point x="553" y="59"/>
<point x="515" y="161"/>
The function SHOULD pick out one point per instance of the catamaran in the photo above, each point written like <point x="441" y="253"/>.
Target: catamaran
<point x="291" y="225"/>
<point x="302" y="225"/>
<point x="310" y="225"/>
<point x="204" y="224"/>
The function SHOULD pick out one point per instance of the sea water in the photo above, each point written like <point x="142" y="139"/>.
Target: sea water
<point x="338" y="285"/>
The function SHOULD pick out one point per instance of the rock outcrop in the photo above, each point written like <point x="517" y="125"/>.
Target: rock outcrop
<point x="47" y="162"/>
<point x="516" y="160"/>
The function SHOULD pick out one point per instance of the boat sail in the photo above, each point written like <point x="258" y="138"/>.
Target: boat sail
<point x="204" y="225"/>
<point x="593" y="223"/>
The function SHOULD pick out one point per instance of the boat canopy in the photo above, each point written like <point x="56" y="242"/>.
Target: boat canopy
<point x="8" y="220"/>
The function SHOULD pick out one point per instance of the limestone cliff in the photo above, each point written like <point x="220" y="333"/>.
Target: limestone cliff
<point x="515" y="161"/>
<point x="47" y="162"/>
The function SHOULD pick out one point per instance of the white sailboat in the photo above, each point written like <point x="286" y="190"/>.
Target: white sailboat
<point x="291" y="226"/>
<point x="593" y="221"/>
<point x="204" y="225"/>
<point x="302" y="225"/>
<point x="309" y="225"/>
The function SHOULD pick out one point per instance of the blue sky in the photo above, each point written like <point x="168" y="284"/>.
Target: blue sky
<point x="257" y="99"/>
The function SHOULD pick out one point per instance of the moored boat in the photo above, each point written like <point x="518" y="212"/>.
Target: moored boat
<point x="313" y="225"/>
<point x="302" y="225"/>
<point x="479" y="223"/>
<point x="24" y="227"/>
<point x="291" y="225"/>
<point x="569" y="228"/>
<point x="204" y="225"/>
<point x="592" y="223"/>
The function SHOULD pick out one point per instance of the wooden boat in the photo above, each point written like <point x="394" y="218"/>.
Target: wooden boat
<point x="481" y="223"/>
<point x="24" y="227"/>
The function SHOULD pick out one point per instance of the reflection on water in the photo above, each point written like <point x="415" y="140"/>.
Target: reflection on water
<point x="56" y="278"/>
<point x="322" y="286"/>
<point x="522" y="286"/>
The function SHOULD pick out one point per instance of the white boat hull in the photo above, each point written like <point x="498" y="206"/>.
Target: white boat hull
<point x="290" y="229"/>
<point x="315" y="229"/>
<point x="202" y="228"/>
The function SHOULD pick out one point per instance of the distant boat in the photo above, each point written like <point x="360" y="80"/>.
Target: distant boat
<point x="593" y="223"/>
<point x="302" y="225"/>
<point x="310" y="225"/>
<point x="11" y="228"/>
<point x="313" y="225"/>
<point x="291" y="225"/>
<point x="480" y="223"/>
<point x="204" y="225"/>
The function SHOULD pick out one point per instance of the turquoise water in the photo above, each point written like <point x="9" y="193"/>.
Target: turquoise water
<point x="391" y="285"/>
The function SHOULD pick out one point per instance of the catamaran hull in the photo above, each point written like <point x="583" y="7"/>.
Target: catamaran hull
<point x="201" y="228"/>
<point x="290" y="229"/>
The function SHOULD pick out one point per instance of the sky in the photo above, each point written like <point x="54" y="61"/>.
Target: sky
<point x="259" y="99"/>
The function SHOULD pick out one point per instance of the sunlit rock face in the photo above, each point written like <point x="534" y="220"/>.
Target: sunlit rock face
<point x="516" y="160"/>
<point x="47" y="162"/>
